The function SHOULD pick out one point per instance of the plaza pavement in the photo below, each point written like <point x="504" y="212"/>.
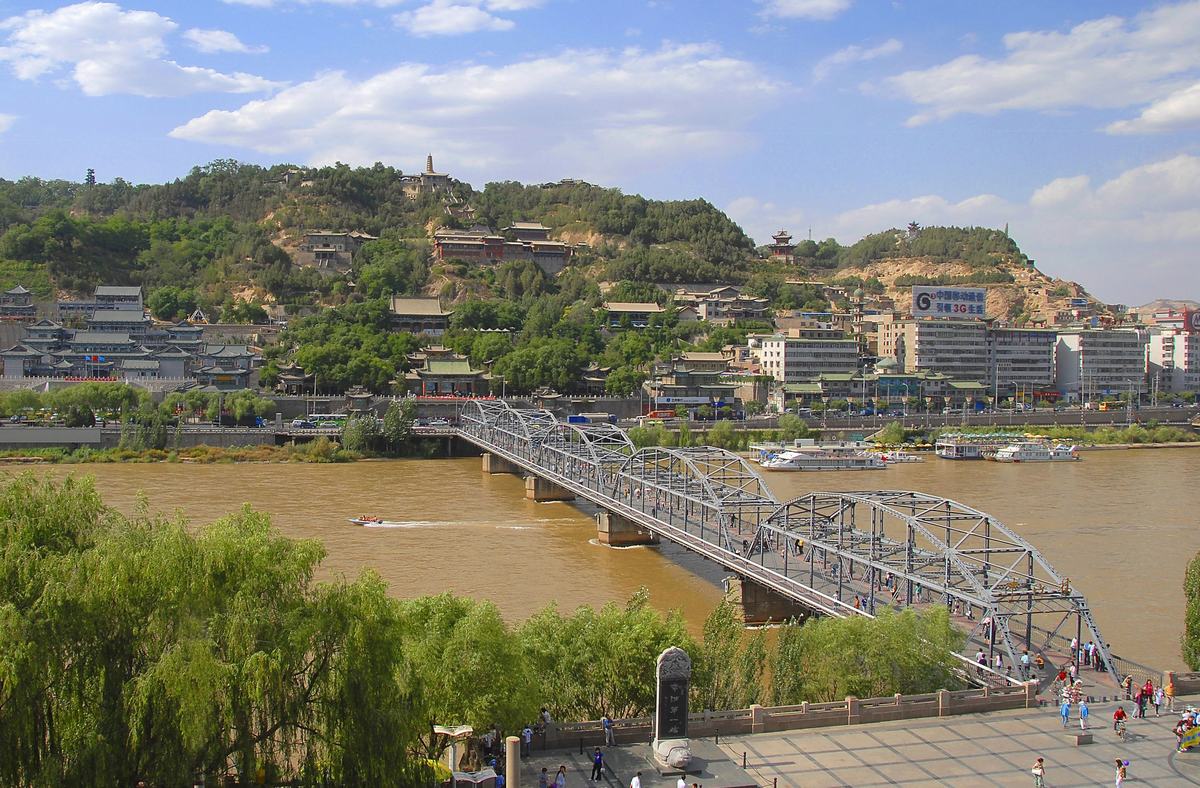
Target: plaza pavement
<point x="994" y="749"/>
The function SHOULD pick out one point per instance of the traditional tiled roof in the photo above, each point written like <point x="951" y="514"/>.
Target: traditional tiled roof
<point x="633" y="306"/>
<point x="113" y="290"/>
<point x="425" y="307"/>
<point x="100" y="338"/>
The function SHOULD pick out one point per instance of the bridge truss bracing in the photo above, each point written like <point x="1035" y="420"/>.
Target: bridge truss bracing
<point x="839" y="554"/>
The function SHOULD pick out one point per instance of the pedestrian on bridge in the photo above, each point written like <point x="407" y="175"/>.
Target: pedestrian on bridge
<point x="1025" y="665"/>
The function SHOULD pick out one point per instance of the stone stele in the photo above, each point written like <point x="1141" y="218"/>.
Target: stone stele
<point x="670" y="745"/>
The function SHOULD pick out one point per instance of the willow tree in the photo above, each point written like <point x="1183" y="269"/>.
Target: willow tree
<point x="1191" y="630"/>
<point x="133" y="648"/>
<point x="828" y="659"/>
<point x="594" y="662"/>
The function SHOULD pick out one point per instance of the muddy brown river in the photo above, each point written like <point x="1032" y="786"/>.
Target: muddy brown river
<point x="1121" y="524"/>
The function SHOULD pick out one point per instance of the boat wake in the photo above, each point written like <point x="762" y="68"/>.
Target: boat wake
<point x="499" y="524"/>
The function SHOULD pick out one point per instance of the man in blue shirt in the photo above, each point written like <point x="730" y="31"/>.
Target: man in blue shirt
<point x="597" y="764"/>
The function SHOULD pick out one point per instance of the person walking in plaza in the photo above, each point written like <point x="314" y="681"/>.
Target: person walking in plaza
<point x="597" y="764"/>
<point x="1025" y="665"/>
<point x="1083" y="715"/>
<point x="1039" y="773"/>
<point x="544" y="779"/>
<point x="560" y="779"/>
<point x="1065" y="712"/>
<point x="1169" y="692"/>
<point x="1122" y="772"/>
<point x="636" y="782"/>
<point x="1158" y="701"/>
<point x="526" y="741"/>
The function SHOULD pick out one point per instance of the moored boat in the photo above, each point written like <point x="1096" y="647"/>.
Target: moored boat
<point x="898" y="457"/>
<point x="808" y="456"/>
<point x="1036" y="452"/>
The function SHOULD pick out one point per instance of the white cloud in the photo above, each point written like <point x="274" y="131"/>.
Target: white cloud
<point x="581" y="113"/>
<point x="6" y="122"/>
<point x="1106" y="63"/>
<point x="1061" y="191"/>
<point x="210" y="41"/>
<point x="854" y="54"/>
<point x="1180" y="111"/>
<point x="1130" y="239"/>
<point x="451" y="18"/>
<point x="110" y="50"/>
<point x="804" y="9"/>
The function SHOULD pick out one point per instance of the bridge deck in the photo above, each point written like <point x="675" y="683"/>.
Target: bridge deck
<point x="839" y="554"/>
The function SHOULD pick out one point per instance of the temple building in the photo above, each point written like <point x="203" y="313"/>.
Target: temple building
<point x="439" y="371"/>
<point x="428" y="182"/>
<point x="782" y="246"/>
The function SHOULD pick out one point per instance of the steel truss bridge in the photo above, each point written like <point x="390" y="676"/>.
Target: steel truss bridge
<point x="840" y="554"/>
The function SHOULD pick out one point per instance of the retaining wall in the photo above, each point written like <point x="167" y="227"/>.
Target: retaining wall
<point x="766" y="719"/>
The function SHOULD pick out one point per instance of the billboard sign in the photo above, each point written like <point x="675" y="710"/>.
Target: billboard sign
<point x="956" y="302"/>
<point x="1191" y="321"/>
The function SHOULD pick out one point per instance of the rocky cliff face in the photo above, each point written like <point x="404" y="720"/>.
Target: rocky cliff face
<point x="1032" y="295"/>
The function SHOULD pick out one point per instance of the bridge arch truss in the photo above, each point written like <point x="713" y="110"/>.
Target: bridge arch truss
<point x="836" y="553"/>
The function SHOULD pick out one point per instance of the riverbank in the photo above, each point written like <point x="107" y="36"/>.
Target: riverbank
<point x="321" y="450"/>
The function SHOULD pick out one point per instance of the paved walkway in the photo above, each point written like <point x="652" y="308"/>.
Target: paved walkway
<point x="995" y="749"/>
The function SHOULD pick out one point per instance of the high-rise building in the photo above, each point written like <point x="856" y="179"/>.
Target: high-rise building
<point x="791" y="358"/>
<point x="1173" y="360"/>
<point x="1022" y="359"/>
<point x="1090" y="363"/>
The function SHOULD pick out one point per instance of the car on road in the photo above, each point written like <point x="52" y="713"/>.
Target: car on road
<point x="303" y="424"/>
<point x="439" y="422"/>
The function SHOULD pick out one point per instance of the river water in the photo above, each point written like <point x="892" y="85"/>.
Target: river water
<point x="1121" y="524"/>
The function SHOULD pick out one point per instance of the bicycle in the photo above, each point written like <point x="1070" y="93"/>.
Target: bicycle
<point x="1120" y="729"/>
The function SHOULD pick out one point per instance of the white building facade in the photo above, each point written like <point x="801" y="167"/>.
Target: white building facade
<point x="1092" y="363"/>
<point x="1173" y="361"/>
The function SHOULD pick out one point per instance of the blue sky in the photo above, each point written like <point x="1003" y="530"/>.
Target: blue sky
<point x="1075" y="123"/>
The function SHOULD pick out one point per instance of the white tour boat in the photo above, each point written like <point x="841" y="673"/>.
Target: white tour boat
<point x="895" y="457"/>
<point x="1036" y="452"/>
<point x="805" y="455"/>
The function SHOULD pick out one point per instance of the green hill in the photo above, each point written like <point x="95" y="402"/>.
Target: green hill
<point x="220" y="229"/>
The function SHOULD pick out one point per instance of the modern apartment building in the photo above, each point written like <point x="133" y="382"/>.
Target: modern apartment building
<point x="1021" y="359"/>
<point x="791" y="358"/>
<point x="1004" y="359"/>
<point x="1092" y="363"/>
<point x="958" y="348"/>
<point x="1173" y="361"/>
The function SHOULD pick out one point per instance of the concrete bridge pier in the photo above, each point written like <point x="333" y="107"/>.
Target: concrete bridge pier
<point x="540" y="490"/>
<point x="761" y="605"/>
<point x="495" y="464"/>
<point x="613" y="529"/>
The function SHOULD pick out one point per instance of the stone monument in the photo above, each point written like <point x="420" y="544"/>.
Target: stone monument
<point x="671" y="709"/>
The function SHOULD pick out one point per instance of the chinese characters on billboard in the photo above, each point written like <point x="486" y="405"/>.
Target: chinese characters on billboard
<point x="957" y="302"/>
